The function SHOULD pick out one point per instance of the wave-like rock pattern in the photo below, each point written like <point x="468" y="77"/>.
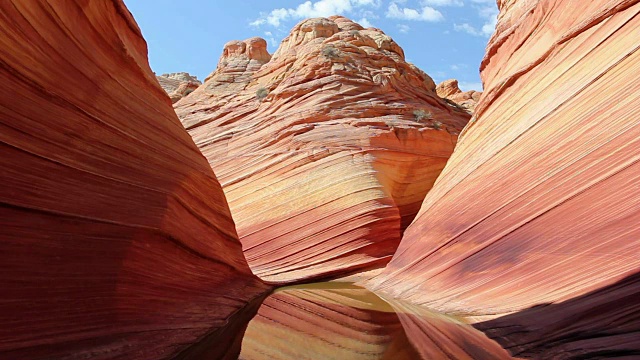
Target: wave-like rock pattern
<point x="325" y="150"/>
<point x="340" y="321"/>
<point x="178" y="85"/>
<point x="117" y="241"/>
<point x="540" y="201"/>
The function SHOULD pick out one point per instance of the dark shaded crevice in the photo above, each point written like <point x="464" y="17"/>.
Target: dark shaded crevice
<point x="600" y="324"/>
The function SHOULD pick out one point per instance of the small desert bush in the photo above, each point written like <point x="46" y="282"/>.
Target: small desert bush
<point x="261" y="93"/>
<point x="330" y="52"/>
<point x="436" y="125"/>
<point x="421" y="115"/>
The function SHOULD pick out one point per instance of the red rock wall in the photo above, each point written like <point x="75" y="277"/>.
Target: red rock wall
<point x="319" y="152"/>
<point x="116" y="238"/>
<point x="540" y="201"/>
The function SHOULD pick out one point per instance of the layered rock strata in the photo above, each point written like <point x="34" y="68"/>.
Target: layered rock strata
<point x="539" y="202"/>
<point x="466" y="100"/>
<point x="325" y="150"/>
<point x="117" y="240"/>
<point x="178" y="85"/>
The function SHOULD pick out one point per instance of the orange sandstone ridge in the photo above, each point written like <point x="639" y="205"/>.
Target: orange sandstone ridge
<point x="539" y="202"/>
<point x="467" y="100"/>
<point x="116" y="237"/>
<point x="325" y="149"/>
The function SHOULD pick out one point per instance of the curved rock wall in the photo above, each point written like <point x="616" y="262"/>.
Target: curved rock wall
<point x="117" y="241"/>
<point x="325" y="150"/>
<point x="540" y="201"/>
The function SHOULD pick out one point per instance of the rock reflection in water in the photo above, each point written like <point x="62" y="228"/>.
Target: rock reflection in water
<point x="344" y="321"/>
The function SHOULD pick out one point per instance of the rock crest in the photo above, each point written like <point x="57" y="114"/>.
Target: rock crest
<point x="467" y="100"/>
<point x="318" y="147"/>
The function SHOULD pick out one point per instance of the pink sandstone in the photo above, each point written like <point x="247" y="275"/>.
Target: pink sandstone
<point x="325" y="149"/>
<point x="539" y="202"/>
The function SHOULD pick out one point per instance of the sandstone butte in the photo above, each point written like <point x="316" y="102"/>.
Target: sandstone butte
<point x="467" y="100"/>
<point x="535" y="217"/>
<point x="178" y="85"/>
<point x="325" y="149"/>
<point x="117" y="241"/>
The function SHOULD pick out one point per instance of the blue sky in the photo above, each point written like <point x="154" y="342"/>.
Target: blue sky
<point x="445" y="38"/>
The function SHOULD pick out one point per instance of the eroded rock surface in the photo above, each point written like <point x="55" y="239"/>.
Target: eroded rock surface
<point x="117" y="241"/>
<point x="466" y="100"/>
<point x="325" y="150"/>
<point x="540" y="201"/>
<point x="178" y="85"/>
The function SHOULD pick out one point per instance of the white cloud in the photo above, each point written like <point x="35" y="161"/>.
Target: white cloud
<point x="466" y="86"/>
<point x="309" y="9"/>
<point x="486" y="30"/>
<point x="270" y="39"/>
<point x="488" y="14"/>
<point x="322" y="8"/>
<point x="489" y="27"/>
<point x="440" y="74"/>
<point x="369" y="14"/>
<point x="466" y="27"/>
<point x="276" y="16"/>
<point x="375" y="3"/>
<point x="442" y="3"/>
<point x="403" y="28"/>
<point x="365" y="23"/>
<point x="426" y="13"/>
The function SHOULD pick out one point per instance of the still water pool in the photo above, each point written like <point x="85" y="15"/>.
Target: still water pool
<point x="344" y="321"/>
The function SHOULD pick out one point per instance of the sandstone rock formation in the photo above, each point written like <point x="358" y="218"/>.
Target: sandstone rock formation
<point x="601" y="324"/>
<point x="467" y="100"/>
<point x="178" y="85"/>
<point x="334" y="321"/>
<point x="116" y="238"/>
<point x="325" y="150"/>
<point x="540" y="201"/>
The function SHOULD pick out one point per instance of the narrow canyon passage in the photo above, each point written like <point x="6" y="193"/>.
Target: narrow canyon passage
<point x="160" y="217"/>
